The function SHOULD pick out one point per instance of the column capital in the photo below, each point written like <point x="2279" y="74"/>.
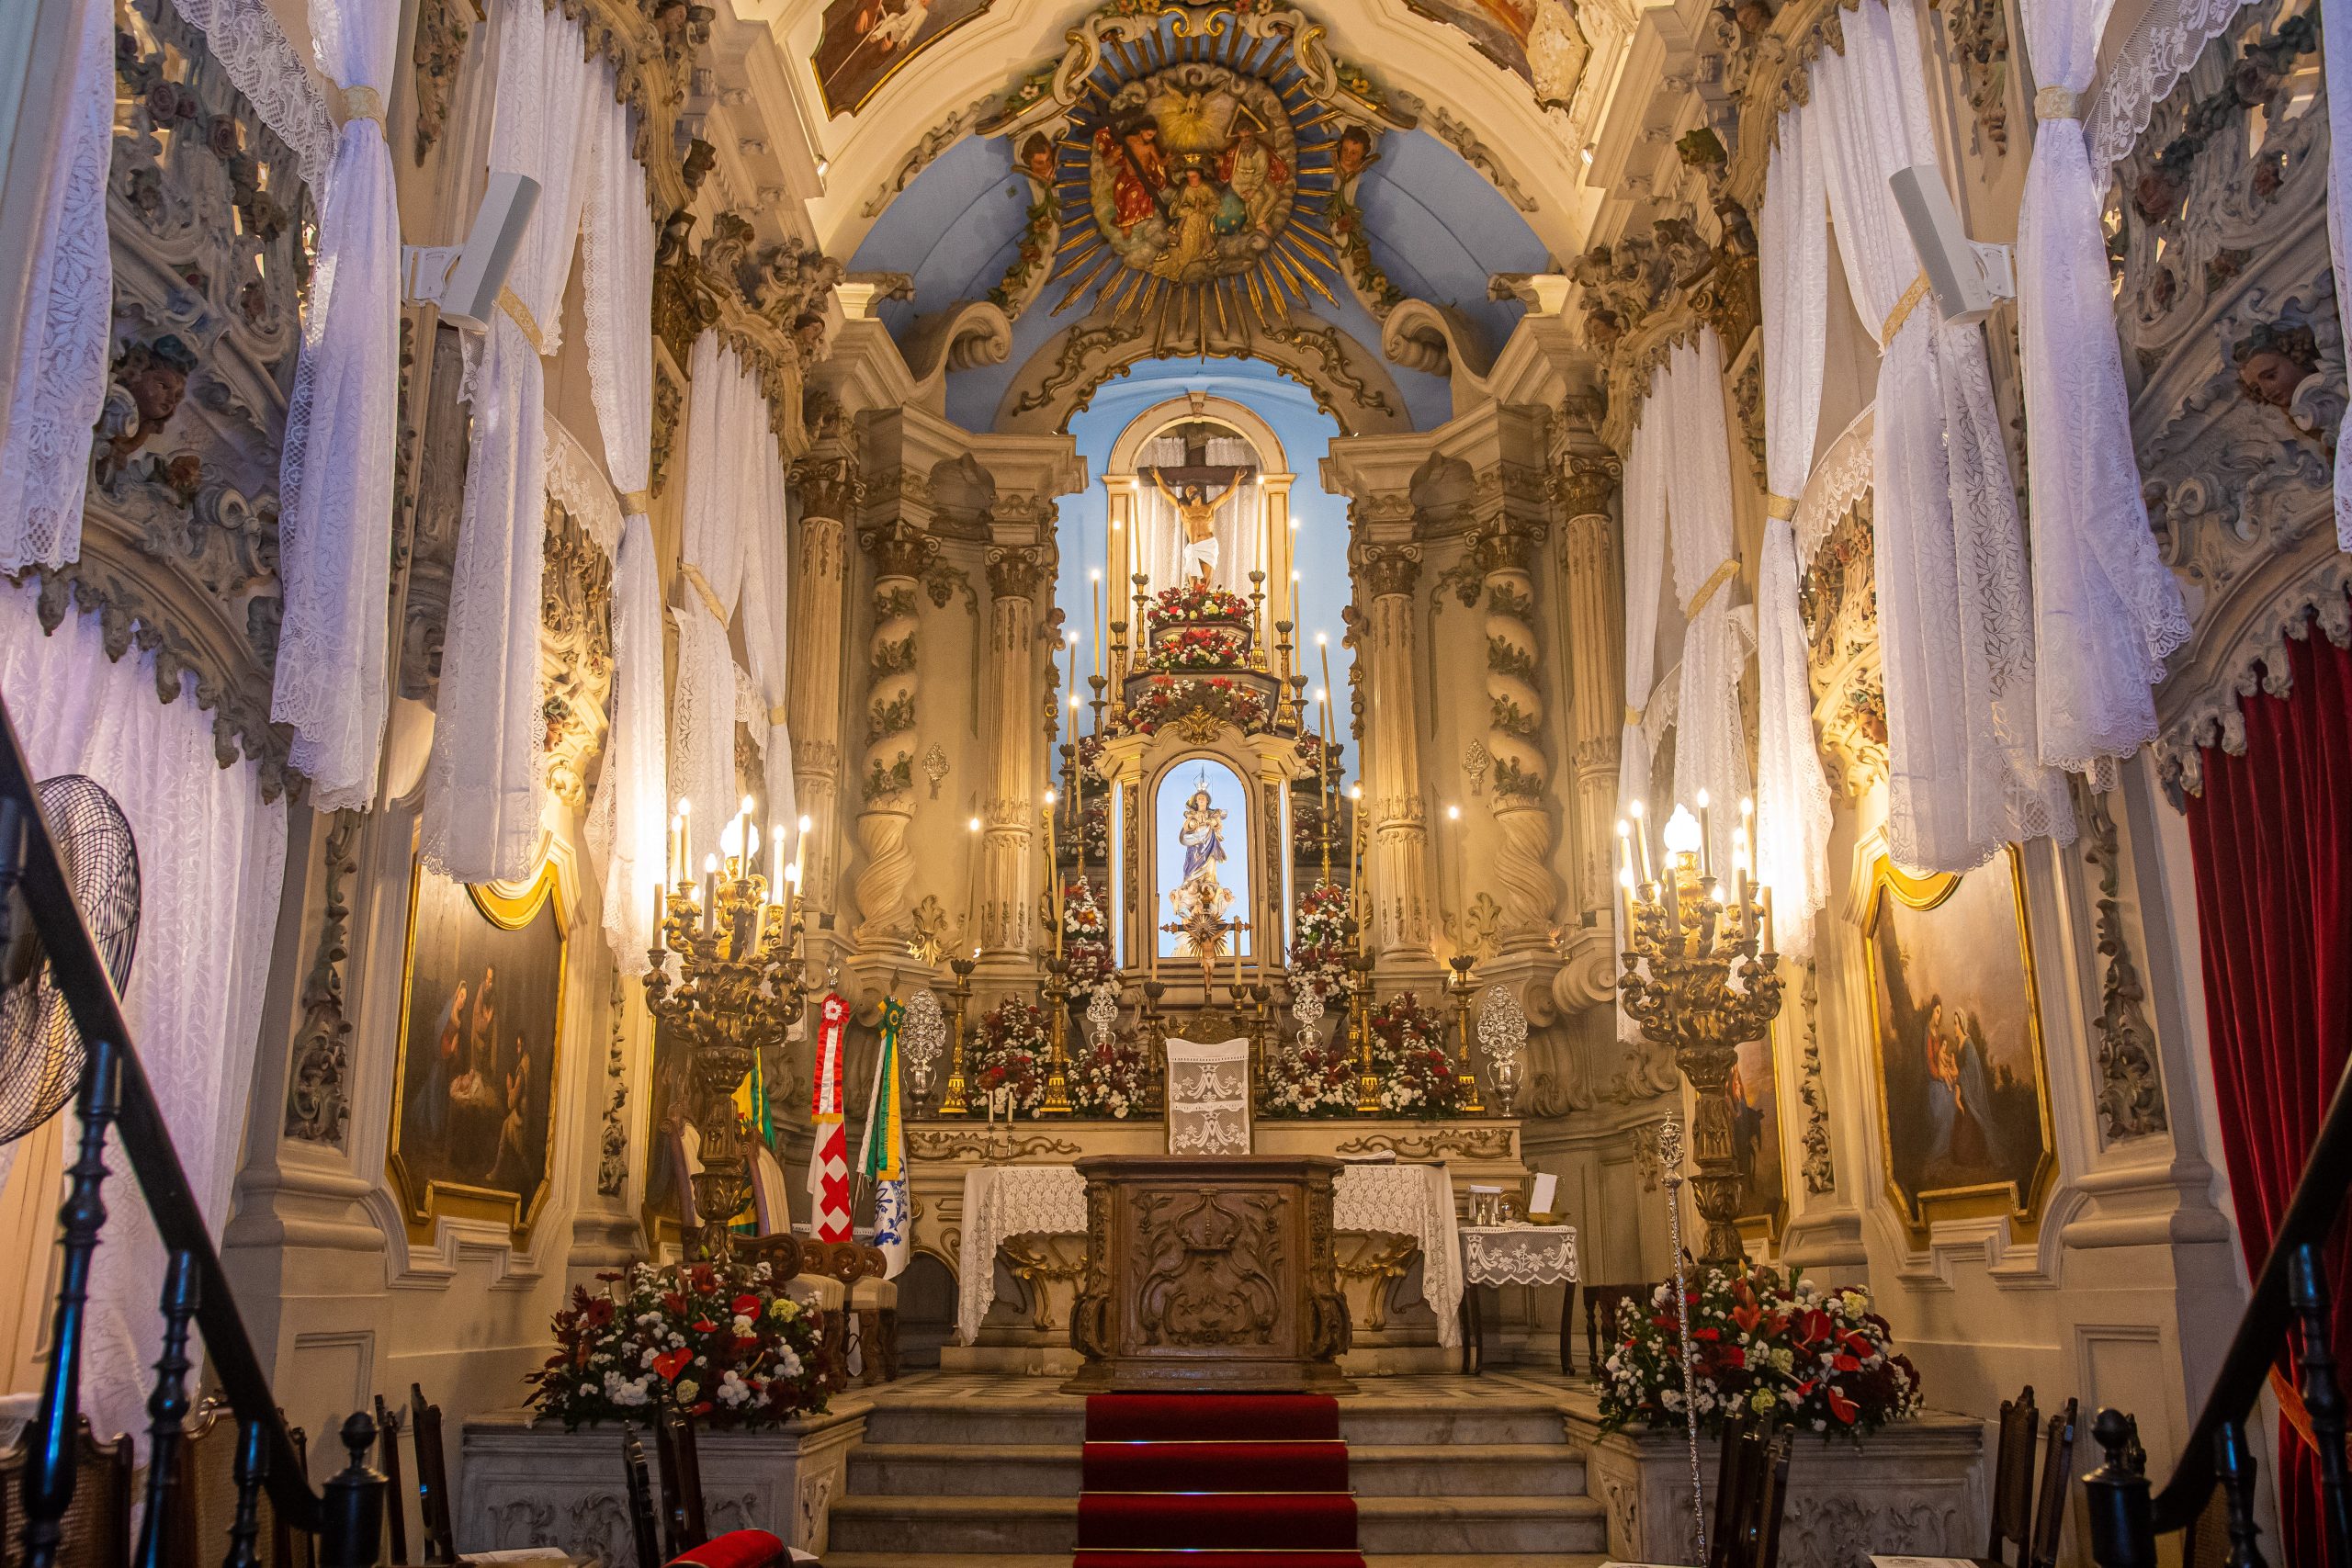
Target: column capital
<point x="1389" y="569"/>
<point x="827" y="477"/>
<point x="1505" y="545"/>
<point x="1014" y="570"/>
<point x="1585" y="482"/>
<point x="899" y="548"/>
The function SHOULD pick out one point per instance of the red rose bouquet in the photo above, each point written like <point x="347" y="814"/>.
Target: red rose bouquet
<point x="724" y="1344"/>
<point x="1009" y="1051"/>
<point x="1777" y="1348"/>
<point x="1416" y="1075"/>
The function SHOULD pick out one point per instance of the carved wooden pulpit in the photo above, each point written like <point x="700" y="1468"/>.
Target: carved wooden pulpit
<point x="1209" y="1274"/>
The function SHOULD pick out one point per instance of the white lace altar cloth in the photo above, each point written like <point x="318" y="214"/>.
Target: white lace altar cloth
<point x="1411" y="1201"/>
<point x="1208" y="1098"/>
<point x="1518" y="1254"/>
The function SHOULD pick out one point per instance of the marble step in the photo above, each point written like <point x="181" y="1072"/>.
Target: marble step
<point x="1502" y="1421"/>
<point x="901" y="1525"/>
<point x="1051" y="1469"/>
<point x="977" y="1423"/>
<point x="1367" y="1422"/>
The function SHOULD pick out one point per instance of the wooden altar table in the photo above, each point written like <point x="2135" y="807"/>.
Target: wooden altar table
<point x="1411" y="1199"/>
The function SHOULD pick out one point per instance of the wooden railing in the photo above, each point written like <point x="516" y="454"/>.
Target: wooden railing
<point x="347" y="1519"/>
<point x="2126" y="1516"/>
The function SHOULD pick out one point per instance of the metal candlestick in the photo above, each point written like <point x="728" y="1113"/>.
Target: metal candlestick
<point x="1359" y="1019"/>
<point x="1458" y="983"/>
<point x="955" y="1099"/>
<point x="1669" y="1159"/>
<point x="1057" y="1102"/>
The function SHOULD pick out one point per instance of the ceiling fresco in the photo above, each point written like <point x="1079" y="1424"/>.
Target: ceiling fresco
<point x="1538" y="40"/>
<point x="863" y="42"/>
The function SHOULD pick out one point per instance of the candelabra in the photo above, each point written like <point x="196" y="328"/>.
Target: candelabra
<point x="1701" y="977"/>
<point x="1147" y="1033"/>
<point x="739" y="987"/>
<point x="1458" y="983"/>
<point x="1057" y="1102"/>
<point x="955" y="1099"/>
<point x="1359" y="962"/>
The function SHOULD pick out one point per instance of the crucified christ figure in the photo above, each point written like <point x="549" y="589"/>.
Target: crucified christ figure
<point x="1197" y="514"/>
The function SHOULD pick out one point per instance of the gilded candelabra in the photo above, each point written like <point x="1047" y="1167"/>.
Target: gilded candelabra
<point x="1701" y="976"/>
<point x="955" y="1099"/>
<point x="738" y="989"/>
<point x="1459" y="984"/>
<point x="1359" y="962"/>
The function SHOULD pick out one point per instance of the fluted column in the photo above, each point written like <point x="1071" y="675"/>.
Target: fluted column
<point x="886" y="780"/>
<point x="826" y="478"/>
<point x="1594" y="622"/>
<point x="1530" y="889"/>
<point x="1009" y="870"/>
<point x="1396" y="868"/>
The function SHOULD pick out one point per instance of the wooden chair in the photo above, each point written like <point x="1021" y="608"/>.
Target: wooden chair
<point x="1601" y="1306"/>
<point x="807" y="1269"/>
<point x="1751" y="1492"/>
<point x="870" y="1310"/>
<point x="643" y="1523"/>
<point x="2057" y="1480"/>
<point x="97" y="1532"/>
<point x="204" y="1507"/>
<point x="388" y="1459"/>
<point x="2013" y="1478"/>
<point x="681" y="1469"/>
<point x="434" y="1505"/>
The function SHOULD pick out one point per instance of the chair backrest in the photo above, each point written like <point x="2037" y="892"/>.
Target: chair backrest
<point x="2057" y="1480"/>
<point x="1752" y="1490"/>
<point x="2013" y="1475"/>
<point x="1601" y="1305"/>
<point x="781" y="1250"/>
<point x="681" y="1469"/>
<point x="204" y="1506"/>
<point x="432" y="1502"/>
<point x="388" y="1450"/>
<point x="96" y="1527"/>
<point x="644" y="1523"/>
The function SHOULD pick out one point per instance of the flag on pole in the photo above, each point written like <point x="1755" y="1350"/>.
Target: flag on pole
<point x="882" y="1157"/>
<point x="829" y="1156"/>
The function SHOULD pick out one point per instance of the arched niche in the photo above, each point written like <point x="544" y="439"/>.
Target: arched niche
<point x="1129" y="498"/>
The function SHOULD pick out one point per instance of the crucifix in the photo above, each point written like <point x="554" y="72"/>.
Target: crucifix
<point x="1195" y="488"/>
<point x="1208" y="933"/>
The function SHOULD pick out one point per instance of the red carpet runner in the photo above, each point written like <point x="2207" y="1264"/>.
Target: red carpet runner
<point x="1215" y="1480"/>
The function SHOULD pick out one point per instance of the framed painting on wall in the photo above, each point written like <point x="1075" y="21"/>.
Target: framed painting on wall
<point x="1964" y="1094"/>
<point x="1755" y="1095"/>
<point x="863" y="42"/>
<point x="482" y="1008"/>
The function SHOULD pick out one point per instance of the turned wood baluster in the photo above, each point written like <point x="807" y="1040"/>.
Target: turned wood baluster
<point x="352" y="1534"/>
<point x="2322" y="1395"/>
<point x="49" y="1466"/>
<point x="167" y="1410"/>
<point x="2235" y="1463"/>
<point x="2115" y="1496"/>
<point x="252" y="1463"/>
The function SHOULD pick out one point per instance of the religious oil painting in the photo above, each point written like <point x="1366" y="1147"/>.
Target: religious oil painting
<point x="864" y="40"/>
<point x="473" y="1126"/>
<point x="1193" y="174"/>
<point x="1755" y="1098"/>
<point x="1201" y="834"/>
<point x="1963" y="1098"/>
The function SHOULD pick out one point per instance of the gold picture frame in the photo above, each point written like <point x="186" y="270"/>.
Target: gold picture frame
<point x="1964" y="1122"/>
<point x="474" y="1115"/>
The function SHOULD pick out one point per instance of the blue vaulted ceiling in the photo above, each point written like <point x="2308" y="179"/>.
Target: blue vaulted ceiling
<point x="1437" y="227"/>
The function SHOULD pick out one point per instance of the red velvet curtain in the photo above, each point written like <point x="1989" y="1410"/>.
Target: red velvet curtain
<point x="2271" y="839"/>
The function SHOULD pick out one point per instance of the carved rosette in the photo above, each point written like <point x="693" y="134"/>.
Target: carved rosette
<point x="1522" y="867"/>
<point x="901" y="553"/>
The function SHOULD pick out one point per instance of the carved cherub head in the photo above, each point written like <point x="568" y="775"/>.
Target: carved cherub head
<point x="2273" y="360"/>
<point x="156" y="375"/>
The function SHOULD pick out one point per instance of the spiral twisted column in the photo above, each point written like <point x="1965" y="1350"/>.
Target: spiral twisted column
<point x="1503" y="551"/>
<point x="900" y="551"/>
<point x="1010" y="853"/>
<point x="827" y="478"/>
<point x="1397" y="861"/>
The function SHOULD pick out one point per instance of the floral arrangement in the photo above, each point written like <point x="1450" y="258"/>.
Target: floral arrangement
<point x="1008" y="1053"/>
<point x="1319" y="943"/>
<point x="1198" y="647"/>
<point x="1110" y="1078"/>
<point x="722" y="1343"/>
<point x="1196" y="601"/>
<point x="1416" y="1075"/>
<point x="1094" y="825"/>
<point x="1311" y="1077"/>
<point x="1086" y="941"/>
<point x="1167" y="698"/>
<point x="1772" y="1347"/>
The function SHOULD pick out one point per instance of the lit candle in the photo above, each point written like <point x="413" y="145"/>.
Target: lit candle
<point x="1764" y="897"/>
<point x="1323" y="653"/>
<point x="709" y="892"/>
<point x="1073" y="670"/>
<point x="657" y="912"/>
<point x="1355" y="866"/>
<point x="1054" y="871"/>
<point x="1457" y="851"/>
<point x="1642" y="836"/>
<point x="972" y="881"/>
<point x="680" y="869"/>
<point x="1095" y="577"/>
<point x="1626" y="887"/>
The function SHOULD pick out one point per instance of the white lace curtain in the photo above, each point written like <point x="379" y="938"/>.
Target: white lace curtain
<point x="726" y="497"/>
<point x="2106" y="608"/>
<point x="211" y="858"/>
<point x="1793" y="811"/>
<point x="767" y="635"/>
<point x="1159" y="537"/>
<point x="2335" y="22"/>
<point x="1645" y="529"/>
<point x="627" y="821"/>
<point x="1709" y="742"/>
<point x="336" y="525"/>
<point x="61" y="370"/>
<point x="484" y="778"/>
<point x="1965" y="774"/>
